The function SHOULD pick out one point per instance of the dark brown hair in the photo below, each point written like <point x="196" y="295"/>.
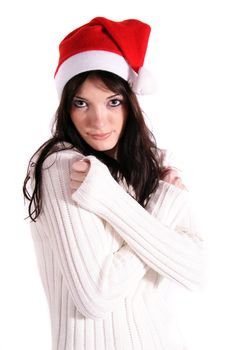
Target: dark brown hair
<point x="138" y="158"/>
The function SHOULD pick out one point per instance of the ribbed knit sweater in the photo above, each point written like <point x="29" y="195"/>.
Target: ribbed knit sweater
<point x="103" y="259"/>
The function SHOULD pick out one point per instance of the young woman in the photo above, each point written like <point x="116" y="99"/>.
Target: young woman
<point x="111" y="236"/>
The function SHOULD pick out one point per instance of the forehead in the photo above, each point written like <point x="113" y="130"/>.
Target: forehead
<point x="94" y="84"/>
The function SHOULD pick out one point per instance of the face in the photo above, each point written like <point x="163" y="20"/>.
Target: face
<point x="99" y="115"/>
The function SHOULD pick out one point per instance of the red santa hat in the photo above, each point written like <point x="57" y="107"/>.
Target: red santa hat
<point x="102" y="44"/>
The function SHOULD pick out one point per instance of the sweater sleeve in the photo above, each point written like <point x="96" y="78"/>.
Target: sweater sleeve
<point x="97" y="277"/>
<point x="166" y="239"/>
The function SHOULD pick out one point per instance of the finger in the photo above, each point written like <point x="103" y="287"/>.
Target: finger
<point x="77" y="176"/>
<point x="183" y="187"/>
<point x="168" y="178"/>
<point x="74" y="185"/>
<point x="178" y="183"/>
<point x="170" y="175"/>
<point x="81" y="165"/>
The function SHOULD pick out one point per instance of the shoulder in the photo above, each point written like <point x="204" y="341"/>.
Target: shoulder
<point x="56" y="169"/>
<point x="62" y="156"/>
<point x="168" y="194"/>
<point x="57" y="165"/>
<point x="176" y="208"/>
<point x="168" y="202"/>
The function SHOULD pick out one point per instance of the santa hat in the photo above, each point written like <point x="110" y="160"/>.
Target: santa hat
<point x="102" y="44"/>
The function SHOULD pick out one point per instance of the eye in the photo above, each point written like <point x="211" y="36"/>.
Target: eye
<point x="115" y="102"/>
<point x="79" y="103"/>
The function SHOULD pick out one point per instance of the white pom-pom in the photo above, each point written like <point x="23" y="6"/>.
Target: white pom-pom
<point x="144" y="82"/>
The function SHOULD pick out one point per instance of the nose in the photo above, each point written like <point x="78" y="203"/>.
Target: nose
<point x="98" y="116"/>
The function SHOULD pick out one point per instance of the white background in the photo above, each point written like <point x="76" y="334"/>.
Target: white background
<point x="190" y="112"/>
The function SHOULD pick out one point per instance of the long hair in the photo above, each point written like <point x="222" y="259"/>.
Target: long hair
<point x="138" y="158"/>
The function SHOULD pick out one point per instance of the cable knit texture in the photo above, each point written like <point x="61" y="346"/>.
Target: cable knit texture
<point x="103" y="259"/>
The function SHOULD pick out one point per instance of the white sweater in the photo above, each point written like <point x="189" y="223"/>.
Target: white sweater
<point x="103" y="258"/>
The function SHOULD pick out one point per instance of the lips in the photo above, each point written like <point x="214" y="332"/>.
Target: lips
<point x="102" y="136"/>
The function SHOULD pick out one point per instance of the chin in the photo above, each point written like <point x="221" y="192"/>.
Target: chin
<point x="104" y="148"/>
<point x="110" y="151"/>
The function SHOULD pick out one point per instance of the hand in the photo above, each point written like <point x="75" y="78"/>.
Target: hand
<point x="171" y="176"/>
<point x="79" y="171"/>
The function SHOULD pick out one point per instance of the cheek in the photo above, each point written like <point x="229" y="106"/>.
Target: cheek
<point x="123" y="121"/>
<point x="80" y="127"/>
<point x="78" y="121"/>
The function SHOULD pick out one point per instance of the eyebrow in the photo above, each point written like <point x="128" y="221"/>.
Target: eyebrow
<point x="115" y="95"/>
<point x="108" y="98"/>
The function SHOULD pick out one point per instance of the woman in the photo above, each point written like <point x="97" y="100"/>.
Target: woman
<point x="111" y="236"/>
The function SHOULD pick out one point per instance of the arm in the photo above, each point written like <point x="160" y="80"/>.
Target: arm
<point x="96" y="278"/>
<point x="167" y="243"/>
